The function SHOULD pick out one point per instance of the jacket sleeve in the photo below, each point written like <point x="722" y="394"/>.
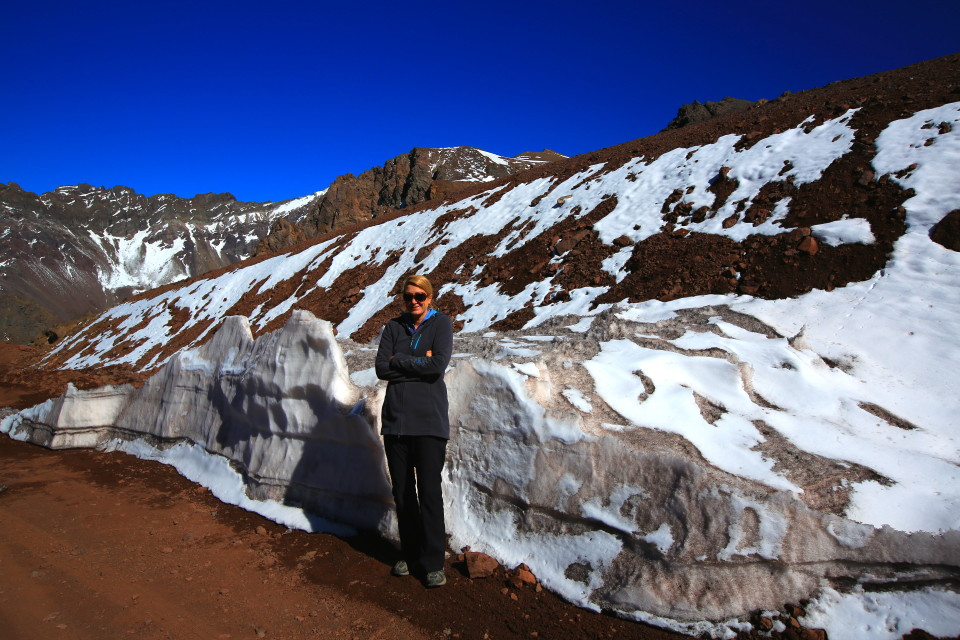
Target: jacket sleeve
<point x="428" y="366"/>
<point x="384" y="351"/>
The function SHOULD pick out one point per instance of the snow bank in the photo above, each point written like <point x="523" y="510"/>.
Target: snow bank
<point x="281" y="410"/>
<point x="563" y="455"/>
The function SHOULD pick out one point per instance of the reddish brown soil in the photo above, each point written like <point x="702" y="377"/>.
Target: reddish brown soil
<point x="103" y="545"/>
<point x="100" y="545"/>
<point x="22" y="386"/>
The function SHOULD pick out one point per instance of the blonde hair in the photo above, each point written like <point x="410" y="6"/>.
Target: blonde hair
<point x="420" y="282"/>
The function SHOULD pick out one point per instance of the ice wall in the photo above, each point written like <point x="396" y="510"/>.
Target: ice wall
<point x="671" y="528"/>
<point x="280" y="408"/>
<point x="559" y="456"/>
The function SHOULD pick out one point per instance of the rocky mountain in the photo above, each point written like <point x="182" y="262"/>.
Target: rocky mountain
<point x="404" y="181"/>
<point x="697" y="376"/>
<point x="80" y="249"/>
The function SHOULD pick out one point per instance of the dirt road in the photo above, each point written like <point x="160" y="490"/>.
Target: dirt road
<point x="103" y="545"/>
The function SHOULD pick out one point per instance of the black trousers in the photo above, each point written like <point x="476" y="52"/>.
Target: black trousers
<point x="415" y="463"/>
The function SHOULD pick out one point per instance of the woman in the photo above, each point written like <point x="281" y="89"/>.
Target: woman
<point x="413" y="355"/>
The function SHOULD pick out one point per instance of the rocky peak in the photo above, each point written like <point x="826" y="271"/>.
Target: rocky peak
<point x="469" y="164"/>
<point x="411" y="178"/>
<point x="539" y="157"/>
<point x="699" y="112"/>
<point x="80" y="248"/>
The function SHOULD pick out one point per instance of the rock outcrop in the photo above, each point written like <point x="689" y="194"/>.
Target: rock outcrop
<point x="701" y="111"/>
<point x="406" y="180"/>
<point x="947" y="231"/>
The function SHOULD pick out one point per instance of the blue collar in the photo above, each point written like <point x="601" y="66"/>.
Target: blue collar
<point x="408" y="319"/>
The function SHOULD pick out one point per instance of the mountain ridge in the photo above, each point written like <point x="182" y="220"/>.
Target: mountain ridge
<point x="79" y="249"/>
<point x="420" y="175"/>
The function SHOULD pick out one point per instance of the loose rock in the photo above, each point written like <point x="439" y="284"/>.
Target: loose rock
<point x="480" y="565"/>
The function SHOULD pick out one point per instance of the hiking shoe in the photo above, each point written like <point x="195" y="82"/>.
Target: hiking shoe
<point x="436" y="578"/>
<point x="400" y="569"/>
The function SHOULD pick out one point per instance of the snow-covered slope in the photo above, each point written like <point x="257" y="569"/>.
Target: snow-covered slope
<point x="697" y="376"/>
<point x="404" y="181"/>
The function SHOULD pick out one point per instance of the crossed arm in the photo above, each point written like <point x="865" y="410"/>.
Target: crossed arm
<point x="403" y="367"/>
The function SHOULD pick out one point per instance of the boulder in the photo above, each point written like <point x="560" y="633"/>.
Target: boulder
<point x="947" y="231"/>
<point x="480" y="565"/>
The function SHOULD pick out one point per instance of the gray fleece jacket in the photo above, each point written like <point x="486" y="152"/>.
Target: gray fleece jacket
<point x="416" y="400"/>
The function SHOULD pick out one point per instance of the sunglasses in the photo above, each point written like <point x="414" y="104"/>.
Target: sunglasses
<point x="419" y="297"/>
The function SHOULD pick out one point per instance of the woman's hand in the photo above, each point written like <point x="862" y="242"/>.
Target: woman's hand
<point x="429" y="353"/>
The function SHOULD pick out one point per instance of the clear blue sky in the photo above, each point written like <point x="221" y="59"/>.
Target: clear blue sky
<point x="273" y="100"/>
